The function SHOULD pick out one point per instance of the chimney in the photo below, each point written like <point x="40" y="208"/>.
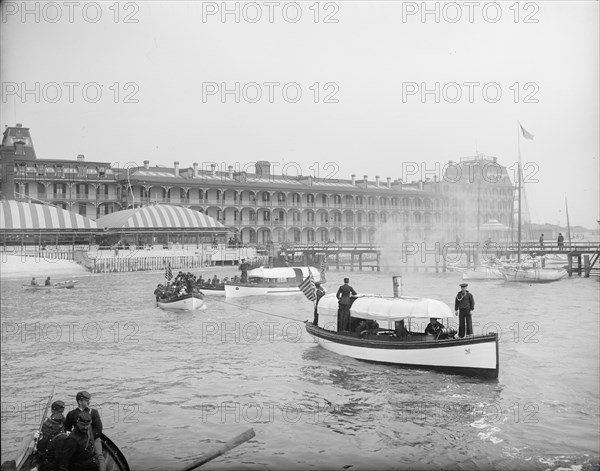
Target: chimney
<point x="80" y="158"/>
<point x="19" y="125"/>
<point x="213" y="169"/>
<point x="397" y="185"/>
<point x="195" y="174"/>
<point x="263" y="169"/>
<point x="146" y="164"/>
<point x="389" y="182"/>
<point x="377" y="180"/>
<point x="420" y="184"/>
<point x="230" y="171"/>
<point x="353" y="180"/>
<point x="176" y="168"/>
<point x="366" y="179"/>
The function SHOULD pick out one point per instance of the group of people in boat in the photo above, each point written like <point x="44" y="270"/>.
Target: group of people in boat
<point x="464" y="304"/>
<point x="34" y="282"/>
<point x="71" y="443"/>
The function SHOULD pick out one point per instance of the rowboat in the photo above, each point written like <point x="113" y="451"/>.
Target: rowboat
<point x="533" y="275"/>
<point x="280" y="281"/>
<point x="475" y="355"/>
<point x="27" y="460"/>
<point x="58" y="285"/>
<point x="187" y="302"/>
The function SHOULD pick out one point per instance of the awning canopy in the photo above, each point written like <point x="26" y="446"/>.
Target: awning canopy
<point x="380" y="308"/>
<point x="158" y="217"/>
<point x="19" y="216"/>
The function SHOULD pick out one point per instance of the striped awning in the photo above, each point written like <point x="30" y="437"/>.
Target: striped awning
<point x="159" y="217"/>
<point x="15" y="215"/>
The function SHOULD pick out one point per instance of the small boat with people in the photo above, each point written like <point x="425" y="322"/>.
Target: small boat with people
<point x="68" y="284"/>
<point x="280" y="281"/>
<point x="473" y="355"/>
<point x="186" y="302"/>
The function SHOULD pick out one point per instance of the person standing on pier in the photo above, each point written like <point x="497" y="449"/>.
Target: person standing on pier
<point x="464" y="304"/>
<point x="542" y="241"/>
<point x="344" y="303"/>
<point x="560" y="241"/>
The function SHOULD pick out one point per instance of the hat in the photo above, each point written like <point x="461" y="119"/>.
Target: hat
<point x="57" y="417"/>
<point x="84" y="418"/>
<point x="83" y="395"/>
<point x="346" y="280"/>
<point x="317" y="284"/>
<point x="56" y="405"/>
<point x="464" y="285"/>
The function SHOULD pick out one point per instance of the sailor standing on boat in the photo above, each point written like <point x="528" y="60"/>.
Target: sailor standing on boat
<point x="344" y="303"/>
<point x="244" y="268"/>
<point x="464" y="305"/>
<point x="320" y="292"/>
<point x="83" y="406"/>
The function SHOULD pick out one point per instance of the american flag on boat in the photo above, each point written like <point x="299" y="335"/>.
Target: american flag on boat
<point x="308" y="288"/>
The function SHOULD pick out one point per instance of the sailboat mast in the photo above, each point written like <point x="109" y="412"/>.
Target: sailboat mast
<point x="519" y="195"/>
<point x="568" y="225"/>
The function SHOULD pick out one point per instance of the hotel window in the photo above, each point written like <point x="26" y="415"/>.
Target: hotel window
<point x="324" y="199"/>
<point x="310" y="218"/>
<point x="266" y="216"/>
<point x="310" y="198"/>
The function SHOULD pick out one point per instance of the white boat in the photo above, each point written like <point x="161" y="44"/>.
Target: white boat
<point x="533" y="275"/>
<point x="280" y="281"/>
<point x="58" y="285"/>
<point x="475" y="355"/>
<point x="187" y="302"/>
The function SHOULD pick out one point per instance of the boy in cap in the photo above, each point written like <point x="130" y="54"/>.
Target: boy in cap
<point x="464" y="304"/>
<point x="320" y="292"/>
<point x="51" y="427"/>
<point x="83" y="405"/>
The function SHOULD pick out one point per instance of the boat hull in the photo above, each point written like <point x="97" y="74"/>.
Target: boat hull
<point x="241" y="290"/>
<point x="188" y="302"/>
<point x="533" y="275"/>
<point x="471" y="356"/>
<point x="60" y="285"/>
<point x="115" y="460"/>
<point x="213" y="291"/>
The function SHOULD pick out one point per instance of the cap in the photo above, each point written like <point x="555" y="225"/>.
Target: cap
<point x="58" y="405"/>
<point x="57" y="417"/>
<point x="84" y="418"/>
<point x="346" y="280"/>
<point x="83" y="395"/>
<point x="464" y="285"/>
<point x="317" y="284"/>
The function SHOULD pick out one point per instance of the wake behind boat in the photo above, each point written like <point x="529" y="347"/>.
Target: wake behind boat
<point x="475" y="355"/>
<point x="272" y="281"/>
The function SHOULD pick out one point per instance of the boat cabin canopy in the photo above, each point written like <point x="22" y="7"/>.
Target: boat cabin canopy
<point x="284" y="273"/>
<point x="380" y="308"/>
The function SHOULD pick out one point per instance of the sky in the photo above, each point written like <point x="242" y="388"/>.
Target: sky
<point x="329" y="89"/>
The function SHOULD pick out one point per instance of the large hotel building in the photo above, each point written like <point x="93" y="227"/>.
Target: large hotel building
<point x="261" y="207"/>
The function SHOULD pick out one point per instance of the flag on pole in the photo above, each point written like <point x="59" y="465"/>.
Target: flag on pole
<point x="526" y="134"/>
<point x="168" y="273"/>
<point x="308" y="288"/>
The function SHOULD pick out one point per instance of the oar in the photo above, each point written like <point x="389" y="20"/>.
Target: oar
<point x="243" y="437"/>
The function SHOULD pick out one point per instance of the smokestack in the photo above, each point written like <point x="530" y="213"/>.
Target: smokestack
<point x="353" y="180"/>
<point x="230" y="170"/>
<point x="195" y="174"/>
<point x="377" y="180"/>
<point x="389" y="182"/>
<point x="146" y="164"/>
<point x="176" y="168"/>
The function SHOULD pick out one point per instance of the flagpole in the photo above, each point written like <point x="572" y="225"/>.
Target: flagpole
<point x="568" y="225"/>
<point x="519" y="193"/>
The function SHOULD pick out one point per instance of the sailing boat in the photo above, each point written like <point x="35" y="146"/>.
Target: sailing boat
<point x="529" y="273"/>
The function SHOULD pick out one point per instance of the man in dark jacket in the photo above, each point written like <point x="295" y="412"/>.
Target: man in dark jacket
<point x="344" y="302"/>
<point x="320" y="292"/>
<point x="464" y="305"/>
<point x="78" y="452"/>
<point x="83" y="405"/>
<point x="52" y="426"/>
